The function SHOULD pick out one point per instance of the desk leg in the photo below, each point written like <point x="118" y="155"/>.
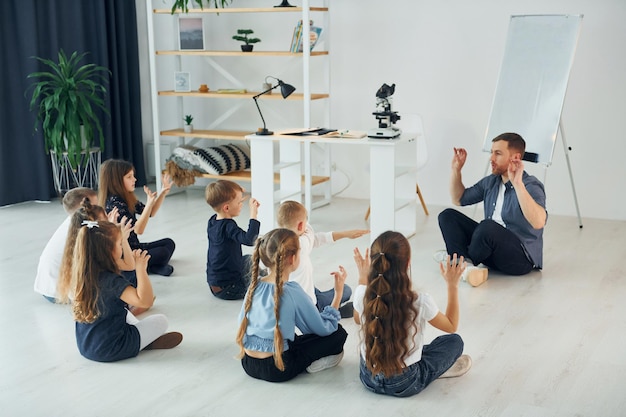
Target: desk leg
<point x="307" y="177"/>
<point x="382" y="190"/>
<point x="262" y="183"/>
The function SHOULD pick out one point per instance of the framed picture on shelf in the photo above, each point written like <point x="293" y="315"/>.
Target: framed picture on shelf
<point x="190" y="33"/>
<point x="182" y="82"/>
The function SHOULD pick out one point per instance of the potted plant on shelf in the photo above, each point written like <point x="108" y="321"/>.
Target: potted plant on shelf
<point x="67" y="98"/>
<point x="242" y="36"/>
<point x="188" y="127"/>
<point x="184" y="4"/>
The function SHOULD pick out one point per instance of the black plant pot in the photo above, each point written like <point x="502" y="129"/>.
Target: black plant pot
<point x="247" y="48"/>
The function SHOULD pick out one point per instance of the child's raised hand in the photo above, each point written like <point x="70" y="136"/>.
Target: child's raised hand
<point x="166" y="182"/>
<point x="353" y="234"/>
<point x="340" y="278"/>
<point x="126" y="226"/>
<point x="254" y="207"/>
<point x="141" y="259"/>
<point x="453" y="269"/>
<point x="112" y="215"/>
<point x="150" y="195"/>
<point x="362" y="264"/>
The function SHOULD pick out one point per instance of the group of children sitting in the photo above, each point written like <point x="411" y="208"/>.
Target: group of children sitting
<point x="287" y="325"/>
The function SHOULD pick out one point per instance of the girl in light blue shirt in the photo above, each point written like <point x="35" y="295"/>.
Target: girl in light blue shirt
<point x="274" y="307"/>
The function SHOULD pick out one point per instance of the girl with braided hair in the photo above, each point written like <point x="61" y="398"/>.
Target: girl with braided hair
<point x="99" y="295"/>
<point x="274" y="307"/>
<point x="394" y="360"/>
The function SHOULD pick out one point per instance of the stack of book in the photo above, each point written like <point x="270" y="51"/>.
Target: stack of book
<point x="296" y="41"/>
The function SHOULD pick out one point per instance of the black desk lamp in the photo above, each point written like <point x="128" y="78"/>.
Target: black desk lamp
<point x="285" y="3"/>
<point x="285" y="91"/>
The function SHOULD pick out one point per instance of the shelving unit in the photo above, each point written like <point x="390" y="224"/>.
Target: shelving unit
<point x="214" y="132"/>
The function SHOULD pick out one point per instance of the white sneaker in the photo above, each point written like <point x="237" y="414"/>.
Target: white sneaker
<point x="458" y="368"/>
<point x="440" y="256"/>
<point x="475" y="275"/>
<point x="325" y="363"/>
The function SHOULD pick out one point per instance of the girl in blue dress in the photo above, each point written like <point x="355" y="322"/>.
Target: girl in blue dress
<point x="105" y="330"/>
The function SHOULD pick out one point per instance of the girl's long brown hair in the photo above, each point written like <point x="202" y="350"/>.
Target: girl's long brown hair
<point x="93" y="254"/>
<point x="86" y="211"/>
<point x="389" y="313"/>
<point x="272" y="249"/>
<point x="111" y="183"/>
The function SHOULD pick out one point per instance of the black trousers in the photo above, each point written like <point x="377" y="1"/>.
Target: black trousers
<point x="303" y="351"/>
<point x="486" y="242"/>
<point x="160" y="251"/>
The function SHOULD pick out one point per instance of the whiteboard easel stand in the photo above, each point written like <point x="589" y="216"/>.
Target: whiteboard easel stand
<point x="566" y="150"/>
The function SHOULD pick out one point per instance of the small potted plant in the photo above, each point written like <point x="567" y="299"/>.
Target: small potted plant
<point x="242" y="36"/>
<point x="188" y="126"/>
<point x="183" y="5"/>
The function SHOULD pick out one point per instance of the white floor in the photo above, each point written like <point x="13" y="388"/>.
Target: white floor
<point x="551" y="343"/>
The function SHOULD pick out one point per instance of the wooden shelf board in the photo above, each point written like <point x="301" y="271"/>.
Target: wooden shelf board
<point x="244" y="10"/>
<point x="237" y="53"/>
<point x="249" y="94"/>
<point x="208" y="134"/>
<point x="247" y="176"/>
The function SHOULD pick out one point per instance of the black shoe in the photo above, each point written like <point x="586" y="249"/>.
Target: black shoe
<point x="165" y="270"/>
<point x="346" y="310"/>
<point x="166" y="341"/>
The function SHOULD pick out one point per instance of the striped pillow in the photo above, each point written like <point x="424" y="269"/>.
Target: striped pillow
<point x="220" y="160"/>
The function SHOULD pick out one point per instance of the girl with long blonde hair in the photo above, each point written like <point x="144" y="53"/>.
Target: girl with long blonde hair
<point x="394" y="360"/>
<point x="99" y="296"/>
<point x="273" y="308"/>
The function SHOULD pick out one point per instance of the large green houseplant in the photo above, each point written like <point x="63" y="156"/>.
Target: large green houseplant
<point x="184" y="4"/>
<point x="67" y="98"/>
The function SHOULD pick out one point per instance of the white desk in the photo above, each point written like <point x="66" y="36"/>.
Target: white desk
<point x="392" y="178"/>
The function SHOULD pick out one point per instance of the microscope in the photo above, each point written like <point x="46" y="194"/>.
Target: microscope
<point x="386" y="118"/>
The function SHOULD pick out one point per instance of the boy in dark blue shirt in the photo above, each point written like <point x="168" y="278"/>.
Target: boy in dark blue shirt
<point x="227" y="269"/>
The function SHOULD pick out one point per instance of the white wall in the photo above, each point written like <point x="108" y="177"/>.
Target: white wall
<point x="444" y="56"/>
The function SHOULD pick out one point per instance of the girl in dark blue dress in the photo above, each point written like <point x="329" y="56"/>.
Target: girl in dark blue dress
<point x="116" y="190"/>
<point x="105" y="330"/>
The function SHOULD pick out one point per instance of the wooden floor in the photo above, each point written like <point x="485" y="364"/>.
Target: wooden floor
<point x="552" y="343"/>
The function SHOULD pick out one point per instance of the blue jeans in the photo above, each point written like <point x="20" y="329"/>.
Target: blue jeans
<point x="437" y="357"/>
<point x="486" y="242"/>
<point x="236" y="290"/>
<point x="325" y="298"/>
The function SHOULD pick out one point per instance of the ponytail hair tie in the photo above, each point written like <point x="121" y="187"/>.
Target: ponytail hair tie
<point x="90" y="223"/>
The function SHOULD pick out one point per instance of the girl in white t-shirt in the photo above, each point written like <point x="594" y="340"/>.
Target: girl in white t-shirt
<point x="394" y="360"/>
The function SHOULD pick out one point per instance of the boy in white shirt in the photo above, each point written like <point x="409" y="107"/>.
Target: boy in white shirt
<point x="293" y="215"/>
